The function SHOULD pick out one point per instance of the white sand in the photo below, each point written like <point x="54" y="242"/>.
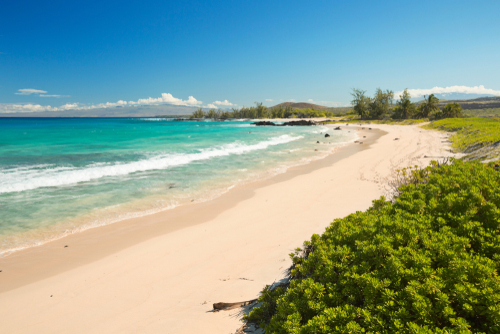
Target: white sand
<point x="168" y="283"/>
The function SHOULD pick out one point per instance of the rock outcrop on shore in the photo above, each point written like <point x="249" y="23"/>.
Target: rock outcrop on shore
<point x="264" y="123"/>
<point x="291" y="123"/>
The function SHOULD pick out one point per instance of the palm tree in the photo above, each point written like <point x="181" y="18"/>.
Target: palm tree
<point x="430" y="104"/>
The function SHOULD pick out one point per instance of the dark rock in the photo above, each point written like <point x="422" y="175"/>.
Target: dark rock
<point x="327" y="135"/>
<point x="299" y="123"/>
<point x="396" y="138"/>
<point x="264" y="123"/>
<point x="317" y="142"/>
<point x="337" y="128"/>
<point x="369" y="128"/>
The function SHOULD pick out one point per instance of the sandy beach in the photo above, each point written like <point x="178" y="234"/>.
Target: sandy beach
<point x="162" y="273"/>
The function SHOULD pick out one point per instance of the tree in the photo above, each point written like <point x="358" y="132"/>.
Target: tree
<point x="261" y="110"/>
<point x="198" y="113"/>
<point x="452" y="110"/>
<point x="405" y="108"/>
<point x="429" y="106"/>
<point x="211" y="113"/>
<point x="360" y="102"/>
<point x="380" y="104"/>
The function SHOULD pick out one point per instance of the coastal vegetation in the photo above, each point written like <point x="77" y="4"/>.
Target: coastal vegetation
<point x="482" y="112"/>
<point x="259" y="111"/>
<point x="477" y="136"/>
<point x="381" y="106"/>
<point x="426" y="261"/>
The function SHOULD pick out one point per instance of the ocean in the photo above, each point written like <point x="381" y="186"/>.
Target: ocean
<point x="59" y="176"/>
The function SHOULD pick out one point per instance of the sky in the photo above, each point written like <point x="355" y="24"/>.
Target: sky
<point x="87" y="54"/>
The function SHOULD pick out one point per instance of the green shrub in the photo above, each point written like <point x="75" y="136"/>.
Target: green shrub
<point x="425" y="263"/>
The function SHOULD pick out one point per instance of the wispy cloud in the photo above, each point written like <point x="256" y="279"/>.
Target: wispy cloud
<point x="39" y="92"/>
<point x="53" y="95"/>
<point x="269" y="100"/>
<point x="211" y="106"/>
<point x="452" y="89"/>
<point x="29" y="91"/>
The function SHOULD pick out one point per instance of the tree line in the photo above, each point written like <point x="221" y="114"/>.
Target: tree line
<point x="381" y="106"/>
<point x="260" y="111"/>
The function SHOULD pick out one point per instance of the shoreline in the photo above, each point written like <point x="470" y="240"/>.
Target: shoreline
<point x="124" y="216"/>
<point x="184" y="215"/>
<point x="147" y="275"/>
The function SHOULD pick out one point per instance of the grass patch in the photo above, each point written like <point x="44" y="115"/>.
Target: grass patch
<point x="426" y="263"/>
<point x="482" y="112"/>
<point x="471" y="133"/>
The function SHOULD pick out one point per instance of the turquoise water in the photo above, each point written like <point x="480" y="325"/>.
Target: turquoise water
<point x="61" y="176"/>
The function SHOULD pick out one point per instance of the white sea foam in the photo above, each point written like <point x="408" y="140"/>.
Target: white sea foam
<point x="155" y="119"/>
<point x="21" y="179"/>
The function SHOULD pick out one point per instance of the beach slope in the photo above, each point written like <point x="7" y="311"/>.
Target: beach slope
<point x="162" y="273"/>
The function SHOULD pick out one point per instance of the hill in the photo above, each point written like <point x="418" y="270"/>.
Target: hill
<point x="477" y="103"/>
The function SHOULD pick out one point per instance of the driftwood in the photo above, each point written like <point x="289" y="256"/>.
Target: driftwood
<point x="229" y="306"/>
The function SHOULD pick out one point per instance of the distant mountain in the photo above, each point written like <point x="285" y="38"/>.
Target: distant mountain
<point x="134" y="111"/>
<point x="455" y="96"/>
<point x="300" y="105"/>
<point x="485" y="102"/>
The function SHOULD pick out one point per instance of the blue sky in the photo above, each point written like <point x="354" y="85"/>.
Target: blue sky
<point x="95" y="52"/>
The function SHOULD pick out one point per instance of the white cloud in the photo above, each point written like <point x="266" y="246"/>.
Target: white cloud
<point x="165" y="98"/>
<point x="168" y="98"/>
<point x="47" y="95"/>
<point x="223" y="103"/>
<point x="211" y="106"/>
<point x="269" y="100"/>
<point x="452" y="89"/>
<point x="293" y="100"/>
<point x="29" y="91"/>
<point x="19" y="108"/>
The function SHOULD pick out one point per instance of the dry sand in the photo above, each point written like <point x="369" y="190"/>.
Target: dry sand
<point x="162" y="273"/>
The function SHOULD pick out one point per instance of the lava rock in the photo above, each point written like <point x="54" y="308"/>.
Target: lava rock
<point x="299" y="123"/>
<point x="264" y="123"/>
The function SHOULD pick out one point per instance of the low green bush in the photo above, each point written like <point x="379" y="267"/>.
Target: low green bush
<point x="426" y="262"/>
